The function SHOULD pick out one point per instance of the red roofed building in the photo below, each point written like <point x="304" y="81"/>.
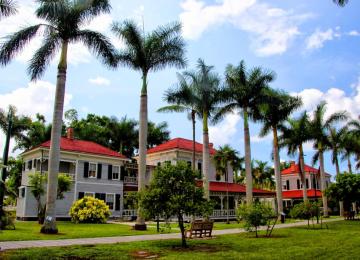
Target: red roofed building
<point x="292" y="186"/>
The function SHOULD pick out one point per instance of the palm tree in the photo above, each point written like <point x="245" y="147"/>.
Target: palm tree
<point x="319" y="127"/>
<point x="273" y="113"/>
<point x="63" y="20"/>
<point x="244" y="91"/>
<point x="7" y="8"/>
<point x="148" y="53"/>
<point x="262" y="175"/>
<point x="207" y="95"/>
<point x="224" y="157"/>
<point x="296" y="132"/>
<point x="182" y="100"/>
<point x="341" y="2"/>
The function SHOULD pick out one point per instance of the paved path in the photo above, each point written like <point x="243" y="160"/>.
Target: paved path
<point x="124" y="239"/>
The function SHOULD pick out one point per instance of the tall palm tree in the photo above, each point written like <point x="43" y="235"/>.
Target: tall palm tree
<point x="351" y="143"/>
<point x="244" y="91"/>
<point x="319" y="127"/>
<point x="7" y="8"/>
<point x="273" y="114"/>
<point x="207" y="95"/>
<point x="224" y="157"/>
<point x="164" y="47"/>
<point x="62" y="25"/>
<point x="182" y="100"/>
<point x="262" y="175"/>
<point x="296" y="132"/>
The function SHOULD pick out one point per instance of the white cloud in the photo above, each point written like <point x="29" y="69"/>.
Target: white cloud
<point x="353" y="33"/>
<point x="222" y="133"/>
<point x="318" y="38"/>
<point x="272" y="29"/>
<point x="101" y="81"/>
<point x="37" y="97"/>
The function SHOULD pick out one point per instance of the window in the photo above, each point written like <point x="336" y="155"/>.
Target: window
<point x="199" y="167"/>
<point x="298" y="184"/>
<point x="307" y="183"/>
<point x="92" y="170"/>
<point x="189" y="163"/>
<point x="22" y="192"/>
<point x="89" y="194"/>
<point x="110" y="198"/>
<point x="115" y="172"/>
<point x="29" y="165"/>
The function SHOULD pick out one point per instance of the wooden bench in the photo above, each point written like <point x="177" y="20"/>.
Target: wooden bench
<point x="200" y="228"/>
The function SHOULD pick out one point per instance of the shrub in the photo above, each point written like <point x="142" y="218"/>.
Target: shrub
<point x="256" y="215"/>
<point x="306" y="210"/>
<point x="89" y="210"/>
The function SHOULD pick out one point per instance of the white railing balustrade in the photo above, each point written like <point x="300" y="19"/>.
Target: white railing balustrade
<point x="130" y="180"/>
<point x="129" y="212"/>
<point x="220" y="213"/>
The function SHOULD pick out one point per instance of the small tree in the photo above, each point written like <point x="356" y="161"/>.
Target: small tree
<point x="256" y="215"/>
<point x="173" y="192"/>
<point x="37" y="182"/>
<point x="306" y="210"/>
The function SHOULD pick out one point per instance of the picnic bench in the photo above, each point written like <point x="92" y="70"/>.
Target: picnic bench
<point x="200" y="228"/>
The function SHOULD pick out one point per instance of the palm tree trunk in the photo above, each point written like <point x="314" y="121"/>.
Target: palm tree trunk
<point x="349" y="164"/>
<point x="143" y="133"/>
<point x="249" y="184"/>
<point x="277" y="173"/>
<point x="341" y="203"/>
<point x="302" y="172"/>
<point x="323" y="183"/>
<point x="49" y="226"/>
<point x="206" y="156"/>
<point x="193" y="136"/>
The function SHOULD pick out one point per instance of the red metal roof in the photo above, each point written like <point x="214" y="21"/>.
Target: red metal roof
<point x="233" y="187"/>
<point x="179" y="143"/>
<point x="81" y="146"/>
<point x="296" y="194"/>
<point x="294" y="168"/>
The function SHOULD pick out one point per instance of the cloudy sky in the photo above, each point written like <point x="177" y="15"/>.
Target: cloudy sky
<point x="313" y="46"/>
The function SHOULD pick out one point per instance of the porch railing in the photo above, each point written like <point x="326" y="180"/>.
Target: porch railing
<point x="130" y="180"/>
<point x="221" y="213"/>
<point x="129" y="212"/>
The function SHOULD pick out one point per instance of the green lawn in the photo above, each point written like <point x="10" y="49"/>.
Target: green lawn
<point x="340" y="241"/>
<point x="30" y="230"/>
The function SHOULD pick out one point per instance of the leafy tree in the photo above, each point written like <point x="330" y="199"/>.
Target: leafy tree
<point x="226" y="156"/>
<point x="346" y="188"/>
<point x="244" y="91"/>
<point x="306" y="210"/>
<point x="182" y="100"/>
<point x="256" y="215"/>
<point x="319" y="127"/>
<point x="157" y="134"/>
<point x="164" y="47"/>
<point x="173" y="192"/>
<point x="206" y="97"/>
<point x="275" y="111"/>
<point x="296" y="132"/>
<point x="63" y="21"/>
<point x="37" y="183"/>
<point x="7" y="8"/>
<point x="262" y="175"/>
<point x="13" y="181"/>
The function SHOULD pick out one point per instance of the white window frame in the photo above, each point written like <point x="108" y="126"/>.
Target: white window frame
<point x="113" y="194"/>
<point x="96" y="166"/>
<point x="119" y="172"/>
<point x="89" y="192"/>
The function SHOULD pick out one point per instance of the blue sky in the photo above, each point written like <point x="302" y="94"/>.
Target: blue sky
<point x="313" y="46"/>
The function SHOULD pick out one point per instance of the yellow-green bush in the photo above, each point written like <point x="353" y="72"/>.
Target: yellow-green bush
<point x="89" y="210"/>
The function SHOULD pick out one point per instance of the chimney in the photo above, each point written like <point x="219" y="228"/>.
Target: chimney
<point x="70" y="133"/>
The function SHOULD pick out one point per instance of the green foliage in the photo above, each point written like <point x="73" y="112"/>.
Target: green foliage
<point x="346" y="188"/>
<point x="64" y="185"/>
<point x="173" y="192"/>
<point x="256" y="215"/>
<point x="306" y="210"/>
<point x="7" y="221"/>
<point x="89" y="210"/>
<point x="13" y="181"/>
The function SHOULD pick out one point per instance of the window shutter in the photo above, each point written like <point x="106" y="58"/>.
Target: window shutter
<point x="99" y="170"/>
<point x="81" y="195"/>
<point x="98" y="196"/>
<point x="86" y="169"/>
<point x="122" y="173"/>
<point x="103" y="196"/>
<point x="117" y="202"/>
<point x="110" y="172"/>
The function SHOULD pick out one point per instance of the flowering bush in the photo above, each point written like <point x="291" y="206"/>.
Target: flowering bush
<point x="89" y="210"/>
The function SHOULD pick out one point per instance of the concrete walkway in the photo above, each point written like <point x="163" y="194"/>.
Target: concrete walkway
<point x="124" y="239"/>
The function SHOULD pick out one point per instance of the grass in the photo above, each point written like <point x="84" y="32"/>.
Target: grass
<point x="340" y="241"/>
<point x="30" y="230"/>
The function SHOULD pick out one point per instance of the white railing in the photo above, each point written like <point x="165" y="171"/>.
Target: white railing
<point x="129" y="212"/>
<point x="131" y="180"/>
<point x="223" y="213"/>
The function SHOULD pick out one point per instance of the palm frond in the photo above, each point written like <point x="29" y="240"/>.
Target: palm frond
<point x="7" y="8"/>
<point x="173" y="108"/>
<point x="16" y="42"/>
<point x="341" y="3"/>
<point x="87" y="9"/>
